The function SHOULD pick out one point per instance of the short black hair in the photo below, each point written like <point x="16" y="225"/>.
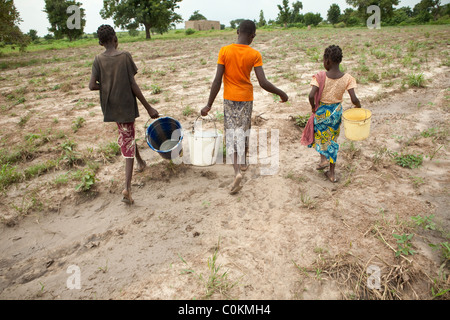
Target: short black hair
<point x="105" y="34"/>
<point x="333" y="53"/>
<point x="247" y="27"/>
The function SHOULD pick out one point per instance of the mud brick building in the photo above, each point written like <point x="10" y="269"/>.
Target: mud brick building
<point x="202" y="25"/>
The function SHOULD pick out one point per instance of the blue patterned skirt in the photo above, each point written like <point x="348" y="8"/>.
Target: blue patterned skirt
<point x="327" y="124"/>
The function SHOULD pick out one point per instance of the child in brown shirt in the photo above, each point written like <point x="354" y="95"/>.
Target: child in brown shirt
<point x="113" y="74"/>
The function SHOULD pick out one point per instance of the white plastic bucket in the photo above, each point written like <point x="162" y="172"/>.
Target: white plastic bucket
<point x="204" y="146"/>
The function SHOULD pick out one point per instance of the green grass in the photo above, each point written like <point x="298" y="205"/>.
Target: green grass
<point x="404" y="245"/>
<point x="8" y="176"/>
<point x="410" y="161"/>
<point x="416" y="80"/>
<point x="110" y="150"/>
<point x="77" y="124"/>
<point x="301" y="121"/>
<point x="89" y="40"/>
<point x="188" y="110"/>
<point x="39" y="169"/>
<point x="87" y="177"/>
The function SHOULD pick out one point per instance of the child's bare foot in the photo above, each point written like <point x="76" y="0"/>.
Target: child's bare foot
<point x="237" y="184"/>
<point x="126" y="197"/>
<point x="140" y="166"/>
<point x="330" y="177"/>
<point x="322" y="165"/>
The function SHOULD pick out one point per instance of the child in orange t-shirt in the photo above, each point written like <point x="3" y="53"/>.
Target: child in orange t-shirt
<point x="234" y="66"/>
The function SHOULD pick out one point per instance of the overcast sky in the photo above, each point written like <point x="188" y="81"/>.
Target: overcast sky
<point x="31" y="11"/>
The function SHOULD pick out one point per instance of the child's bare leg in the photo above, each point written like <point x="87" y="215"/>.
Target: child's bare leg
<point x="331" y="174"/>
<point x="323" y="162"/>
<point x="244" y="165"/>
<point x="129" y="163"/>
<point x="140" y="163"/>
<point x="237" y="174"/>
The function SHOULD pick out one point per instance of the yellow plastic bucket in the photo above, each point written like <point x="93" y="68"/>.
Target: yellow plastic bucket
<point x="357" y="123"/>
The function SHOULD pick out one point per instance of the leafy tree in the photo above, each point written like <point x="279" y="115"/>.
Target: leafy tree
<point x="152" y="14"/>
<point x="386" y="7"/>
<point x="9" y="29"/>
<point x="400" y="15"/>
<point x="334" y="13"/>
<point x="235" y="23"/>
<point x="312" y="18"/>
<point x="262" y="21"/>
<point x="197" y="16"/>
<point x="33" y="35"/>
<point x="57" y="16"/>
<point x="296" y="17"/>
<point x="285" y="13"/>
<point x="350" y="17"/>
<point x="431" y="6"/>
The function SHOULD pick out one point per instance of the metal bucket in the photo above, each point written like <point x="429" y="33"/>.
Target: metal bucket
<point x="204" y="146"/>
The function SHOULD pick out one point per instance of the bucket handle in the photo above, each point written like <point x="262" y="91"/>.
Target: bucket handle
<point x="215" y="126"/>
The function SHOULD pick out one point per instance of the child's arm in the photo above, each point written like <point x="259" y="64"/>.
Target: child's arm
<point x="138" y="93"/>
<point x="93" y="85"/>
<point x="268" y="86"/>
<point x="215" y="88"/>
<point x="355" y="100"/>
<point x="312" y="98"/>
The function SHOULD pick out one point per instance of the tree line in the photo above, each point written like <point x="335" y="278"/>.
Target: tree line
<point x="160" y="16"/>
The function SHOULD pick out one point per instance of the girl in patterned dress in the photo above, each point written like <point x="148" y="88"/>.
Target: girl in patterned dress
<point x="326" y="97"/>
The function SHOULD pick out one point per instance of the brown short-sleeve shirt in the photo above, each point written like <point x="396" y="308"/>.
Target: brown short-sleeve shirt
<point x="115" y="75"/>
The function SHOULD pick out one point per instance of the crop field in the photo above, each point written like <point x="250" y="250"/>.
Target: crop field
<point x="290" y="235"/>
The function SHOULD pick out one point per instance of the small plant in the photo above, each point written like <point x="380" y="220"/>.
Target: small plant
<point x="417" y="181"/>
<point x="403" y="244"/>
<point x="156" y="89"/>
<point x="110" y="150"/>
<point x="425" y="222"/>
<point x="409" y="160"/>
<point x="429" y="132"/>
<point x="87" y="180"/>
<point x="445" y="249"/>
<point x="307" y="201"/>
<point x="68" y="154"/>
<point x="77" y="124"/>
<point x="416" y="80"/>
<point x="188" y="110"/>
<point x="433" y="153"/>
<point x="24" y="120"/>
<point x="217" y="280"/>
<point x="301" y="121"/>
<point x="8" y="175"/>
<point x="189" y="31"/>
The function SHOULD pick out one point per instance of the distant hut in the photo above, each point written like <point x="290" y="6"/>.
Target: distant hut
<point x="202" y="25"/>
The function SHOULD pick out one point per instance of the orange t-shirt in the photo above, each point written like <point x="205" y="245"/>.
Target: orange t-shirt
<point x="239" y="60"/>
